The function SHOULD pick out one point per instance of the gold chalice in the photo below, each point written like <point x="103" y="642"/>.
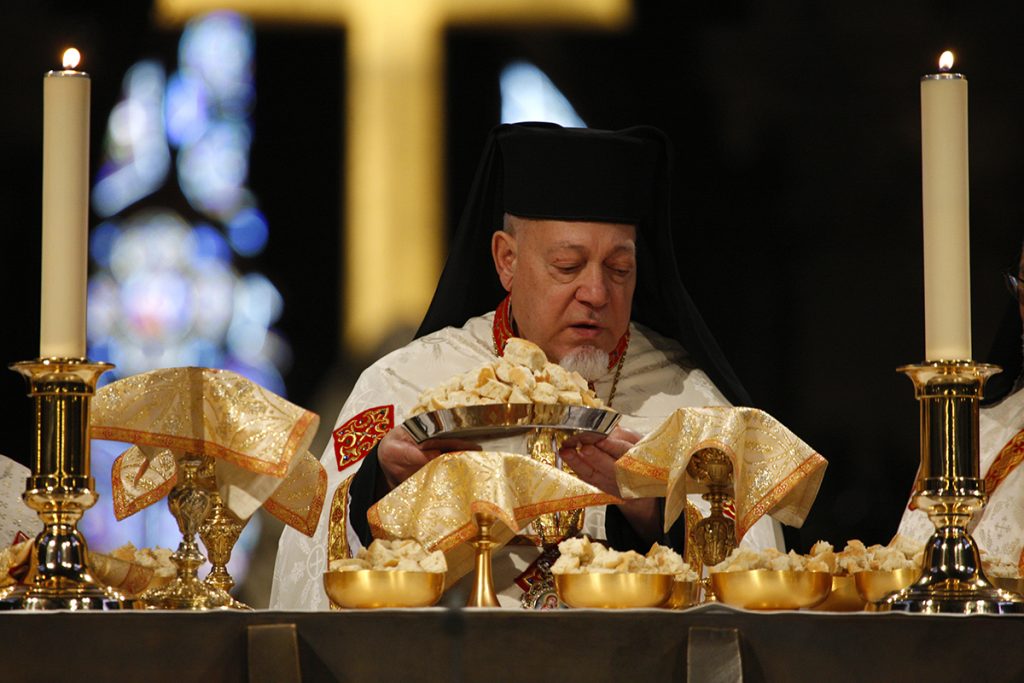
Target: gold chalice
<point x="765" y="589"/>
<point x="219" y="533"/>
<point x="620" y="590"/>
<point x="190" y="504"/>
<point x="371" y="588"/>
<point x="553" y="527"/>
<point x="711" y="539"/>
<point x="714" y="537"/>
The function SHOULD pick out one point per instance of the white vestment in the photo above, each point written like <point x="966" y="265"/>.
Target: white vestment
<point x="999" y="531"/>
<point x="15" y="517"/>
<point x="654" y="381"/>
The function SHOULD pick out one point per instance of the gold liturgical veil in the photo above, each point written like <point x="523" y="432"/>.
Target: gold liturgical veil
<point x="774" y="471"/>
<point x="435" y="506"/>
<point x="257" y="439"/>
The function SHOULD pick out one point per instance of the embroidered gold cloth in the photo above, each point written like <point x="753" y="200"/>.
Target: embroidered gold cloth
<point x="257" y="439"/>
<point x="774" y="471"/>
<point x="131" y="579"/>
<point x="18" y="565"/>
<point x="435" y="506"/>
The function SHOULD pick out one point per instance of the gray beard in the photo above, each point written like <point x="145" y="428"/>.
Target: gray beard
<point x="590" y="361"/>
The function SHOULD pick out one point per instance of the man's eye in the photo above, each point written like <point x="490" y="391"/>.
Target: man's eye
<point x="567" y="268"/>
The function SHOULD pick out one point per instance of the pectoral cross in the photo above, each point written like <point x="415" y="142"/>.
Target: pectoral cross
<point x="394" y="232"/>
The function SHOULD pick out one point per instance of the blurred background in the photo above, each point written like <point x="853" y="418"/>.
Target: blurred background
<point x="221" y="218"/>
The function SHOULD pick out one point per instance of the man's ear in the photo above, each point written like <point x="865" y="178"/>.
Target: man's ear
<point x="504" y="252"/>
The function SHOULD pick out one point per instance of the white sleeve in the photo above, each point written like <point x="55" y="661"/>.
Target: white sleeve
<point x="302" y="560"/>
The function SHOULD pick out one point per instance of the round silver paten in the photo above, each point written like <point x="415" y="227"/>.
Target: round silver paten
<point x="506" y="419"/>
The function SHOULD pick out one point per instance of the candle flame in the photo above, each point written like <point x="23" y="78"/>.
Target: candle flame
<point x="946" y="61"/>
<point x="71" y="58"/>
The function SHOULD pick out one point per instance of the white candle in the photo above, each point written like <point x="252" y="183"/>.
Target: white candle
<point x="65" y="211"/>
<point x="944" y="186"/>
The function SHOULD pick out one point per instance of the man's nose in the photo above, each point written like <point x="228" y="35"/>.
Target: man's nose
<point x="593" y="287"/>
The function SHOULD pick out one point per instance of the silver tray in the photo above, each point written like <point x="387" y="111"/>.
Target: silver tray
<point x="504" y="419"/>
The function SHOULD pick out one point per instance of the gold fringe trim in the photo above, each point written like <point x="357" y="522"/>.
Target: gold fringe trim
<point x="125" y="506"/>
<point x="1009" y="457"/>
<point x="646" y="469"/>
<point x="307" y="524"/>
<point x="781" y="490"/>
<point x="203" y="447"/>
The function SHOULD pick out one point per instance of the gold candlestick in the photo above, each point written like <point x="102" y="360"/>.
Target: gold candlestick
<point x="950" y="490"/>
<point x="61" y="487"/>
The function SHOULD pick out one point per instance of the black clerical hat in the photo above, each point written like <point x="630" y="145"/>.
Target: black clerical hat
<point x="579" y="173"/>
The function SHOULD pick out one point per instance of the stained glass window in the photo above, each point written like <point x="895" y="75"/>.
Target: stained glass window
<point x="176" y="218"/>
<point x="527" y="94"/>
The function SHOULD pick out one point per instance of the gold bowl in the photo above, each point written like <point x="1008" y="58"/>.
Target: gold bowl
<point x="875" y="585"/>
<point x="370" y="588"/>
<point x="684" y="594"/>
<point x="614" y="591"/>
<point x="843" y="596"/>
<point x="1014" y="585"/>
<point x="767" y="589"/>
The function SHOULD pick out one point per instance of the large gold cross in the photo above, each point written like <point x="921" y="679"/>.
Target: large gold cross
<point x="393" y="195"/>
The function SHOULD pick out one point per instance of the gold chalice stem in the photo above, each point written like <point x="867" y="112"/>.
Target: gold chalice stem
<point x="483" y="594"/>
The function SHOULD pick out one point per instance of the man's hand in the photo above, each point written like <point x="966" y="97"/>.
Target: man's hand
<point x="594" y="463"/>
<point x="400" y="457"/>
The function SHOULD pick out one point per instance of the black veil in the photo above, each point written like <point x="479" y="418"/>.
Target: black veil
<point x="541" y="170"/>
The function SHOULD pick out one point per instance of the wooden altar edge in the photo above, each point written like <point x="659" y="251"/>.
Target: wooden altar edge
<point x="439" y="644"/>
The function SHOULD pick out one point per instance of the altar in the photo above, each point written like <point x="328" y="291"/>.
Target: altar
<point x="466" y="645"/>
